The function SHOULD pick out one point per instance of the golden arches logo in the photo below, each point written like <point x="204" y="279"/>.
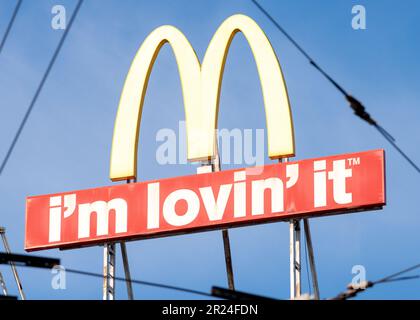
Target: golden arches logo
<point x="201" y="86"/>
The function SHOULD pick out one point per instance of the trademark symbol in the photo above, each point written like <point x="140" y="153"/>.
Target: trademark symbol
<point x="353" y="161"/>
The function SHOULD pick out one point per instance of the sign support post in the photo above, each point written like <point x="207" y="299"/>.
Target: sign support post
<point x="215" y="166"/>
<point x="228" y="259"/>
<point x="295" y="255"/>
<point x="126" y="265"/>
<point x="12" y="265"/>
<point x="311" y="258"/>
<point x="205" y="168"/>
<point x="295" y="259"/>
<point x="225" y="232"/>
<point x="127" y="271"/>
<point x="109" y="271"/>
<point x="3" y="285"/>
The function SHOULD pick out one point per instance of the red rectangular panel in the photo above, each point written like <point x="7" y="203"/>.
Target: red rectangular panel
<point x="305" y="188"/>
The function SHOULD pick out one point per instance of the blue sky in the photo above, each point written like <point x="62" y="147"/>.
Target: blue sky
<point x="66" y="143"/>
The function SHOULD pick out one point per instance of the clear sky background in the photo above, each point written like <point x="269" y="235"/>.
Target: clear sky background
<point x="66" y="143"/>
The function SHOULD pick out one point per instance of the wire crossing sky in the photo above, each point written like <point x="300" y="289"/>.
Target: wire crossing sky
<point x="355" y="104"/>
<point x="9" y="26"/>
<point x="28" y="261"/>
<point x="41" y="85"/>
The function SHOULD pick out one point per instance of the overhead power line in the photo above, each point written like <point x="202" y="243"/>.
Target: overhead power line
<point x="354" y="290"/>
<point x="40" y="86"/>
<point x="356" y="105"/>
<point x="351" y="292"/>
<point x="9" y="26"/>
<point x="25" y="260"/>
<point x="393" y="276"/>
<point x="145" y="283"/>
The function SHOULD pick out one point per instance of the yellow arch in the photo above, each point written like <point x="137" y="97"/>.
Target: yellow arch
<point x="123" y="164"/>
<point x="279" y="122"/>
<point x="201" y="92"/>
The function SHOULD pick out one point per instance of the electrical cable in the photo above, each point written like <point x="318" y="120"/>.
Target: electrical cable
<point x="353" y="290"/>
<point x="145" y="283"/>
<point x="9" y="26"/>
<point x="38" y="91"/>
<point x="392" y="276"/>
<point x="356" y="105"/>
<point x="48" y="263"/>
<point x="141" y="282"/>
<point x="25" y="260"/>
<point x="402" y="279"/>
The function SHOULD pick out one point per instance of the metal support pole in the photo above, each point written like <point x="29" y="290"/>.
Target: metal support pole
<point x="292" y="260"/>
<point x="225" y="233"/>
<point x="206" y="168"/>
<point x="228" y="259"/>
<point x="215" y="167"/>
<point x="298" y="258"/>
<point x="295" y="259"/>
<point x="295" y="256"/>
<point x="109" y="271"/>
<point x="12" y="265"/>
<point x="3" y="285"/>
<point x="127" y="271"/>
<point x="126" y="265"/>
<point x="311" y="258"/>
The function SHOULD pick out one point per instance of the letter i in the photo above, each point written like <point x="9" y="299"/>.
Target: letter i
<point x="55" y="219"/>
<point x="153" y="205"/>
<point x="320" y="184"/>
<point x="239" y="190"/>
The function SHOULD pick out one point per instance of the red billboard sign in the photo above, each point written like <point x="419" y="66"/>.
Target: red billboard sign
<point x="305" y="188"/>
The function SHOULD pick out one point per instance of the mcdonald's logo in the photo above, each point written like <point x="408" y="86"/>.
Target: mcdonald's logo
<point x="201" y="84"/>
<point x="207" y="201"/>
